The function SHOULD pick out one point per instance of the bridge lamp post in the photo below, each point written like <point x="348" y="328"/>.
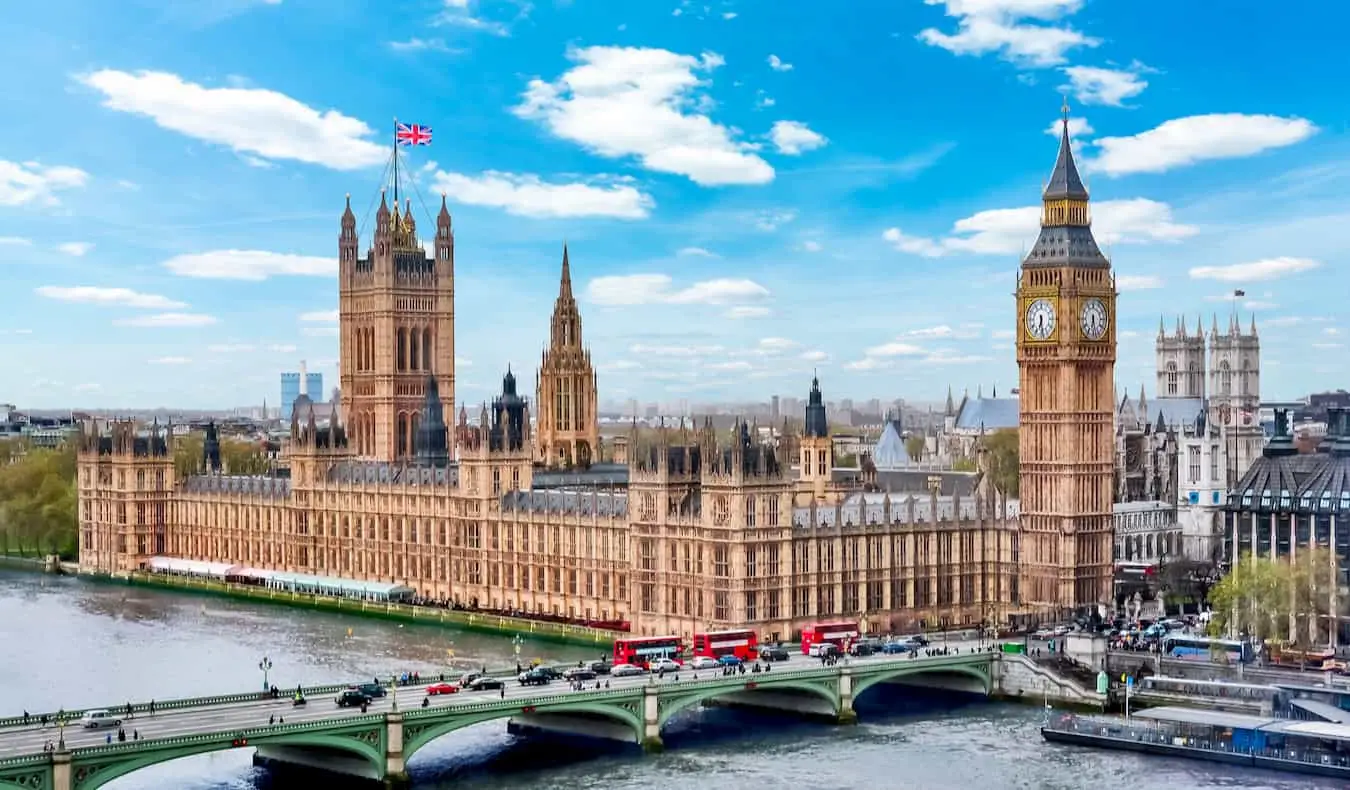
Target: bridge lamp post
<point x="517" y="642"/>
<point x="266" y="666"/>
<point x="61" y="734"/>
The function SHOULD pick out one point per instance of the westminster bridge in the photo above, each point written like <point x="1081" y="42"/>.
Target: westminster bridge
<point x="35" y="754"/>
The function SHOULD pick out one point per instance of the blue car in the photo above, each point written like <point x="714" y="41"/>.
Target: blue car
<point x="729" y="661"/>
<point x="892" y="648"/>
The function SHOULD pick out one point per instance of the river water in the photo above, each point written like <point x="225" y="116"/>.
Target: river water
<point x="71" y="643"/>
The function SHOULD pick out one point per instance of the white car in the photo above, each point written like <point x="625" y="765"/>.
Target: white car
<point x="704" y="662"/>
<point x="95" y="719"/>
<point x="626" y="671"/>
<point x="663" y="664"/>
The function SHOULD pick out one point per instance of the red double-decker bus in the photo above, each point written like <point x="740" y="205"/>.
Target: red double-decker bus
<point x="715" y="644"/>
<point x="640" y="650"/>
<point x="839" y="634"/>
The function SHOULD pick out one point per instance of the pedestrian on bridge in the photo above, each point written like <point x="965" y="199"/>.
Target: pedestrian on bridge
<point x="271" y="720"/>
<point x="25" y="718"/>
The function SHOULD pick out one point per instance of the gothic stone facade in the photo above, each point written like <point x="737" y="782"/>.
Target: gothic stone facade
<point x="1066" y="353"/>
<point x="692" y="532"/>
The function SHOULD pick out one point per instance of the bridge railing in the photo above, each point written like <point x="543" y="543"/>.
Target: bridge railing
<point x="225" y="699"/>
<point x="72" y="715"/>
<point x="239" y="732"/>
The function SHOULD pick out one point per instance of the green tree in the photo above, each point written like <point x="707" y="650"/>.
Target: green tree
<point x="38" y="502"/>
<point x="965" y="465"/>
<point x="1003" y="459"/>
<point x="237" y="456"/>
<point x="914" y="447"/>
<point x="1255" y="598"/>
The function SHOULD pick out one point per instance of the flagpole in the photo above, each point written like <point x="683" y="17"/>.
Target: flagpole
<point x="396" y="162"/>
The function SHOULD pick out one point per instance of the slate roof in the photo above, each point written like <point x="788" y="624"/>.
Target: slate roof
<point x="1283" y="480"/>
<point x="596" y="475"/>
<point x="565" y="500"/>
<point x="380" y="472"/>
<point x="1179" y="413"/>
<point x="244" y="485"/>
<point x="871" y="509"/>
<point x="991" y="413"/>
<point x="915" y="481"/>
<point x="890" y="452"/>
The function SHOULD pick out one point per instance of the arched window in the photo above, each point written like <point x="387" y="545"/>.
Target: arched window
<point x="426" y="350"/>
<point x="1171" y="378"/>
<point x="1225" y="378"/>
<point x="402" y="349"/>
<point x="414" y="356"/>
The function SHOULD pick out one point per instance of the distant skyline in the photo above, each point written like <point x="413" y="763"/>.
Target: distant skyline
<point x="745" y="198"/>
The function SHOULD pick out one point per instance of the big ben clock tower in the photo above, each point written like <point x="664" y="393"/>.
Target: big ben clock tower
<point x="1066" y="354"/>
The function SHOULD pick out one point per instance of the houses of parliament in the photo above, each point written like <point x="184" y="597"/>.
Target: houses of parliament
<point x="675" y="530"/>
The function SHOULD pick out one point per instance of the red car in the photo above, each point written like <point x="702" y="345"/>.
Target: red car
<point x="436" y="689"/>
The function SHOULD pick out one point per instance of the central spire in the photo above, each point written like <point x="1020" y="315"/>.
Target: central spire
<point x="1065" y="183"/>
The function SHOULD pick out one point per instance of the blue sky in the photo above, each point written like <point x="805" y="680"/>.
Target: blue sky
<point x="750" y="190"/>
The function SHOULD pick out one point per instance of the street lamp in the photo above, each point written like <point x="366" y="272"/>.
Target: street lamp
<point x="61" y="734"/>
<point x="517" y="642"/>
<point x="265" y="665"/>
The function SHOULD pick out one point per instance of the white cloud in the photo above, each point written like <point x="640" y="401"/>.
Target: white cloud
<point x="1138" y="282"/>
<point x="773" y="346"/>
<point x="641" y="349"/>
<point x="745" y="311"/>
<point x="773" y="219"/>
<point x="530" y="196"/>
<point x="32" y="183"/>
<point x="895" y="349"/>
<point x="458" y="13"/>
<point x="945" y="332"/>
<point x="320" y="317"/>
<point x="763" y="101"/>
<point x="776" y="63"/>
<point x="1196" y="138"/>
<point x="461" y="362"/>
<point x="1002" y="334"/>
<point x="75" y="248"/>
<point x="948" y="357"/>
<point x="1078" y="127"/>
<point x="793" y="138"/>
<point x="168" y="320"/>
<point x="319" y="331"/>
<point x="639" y="289"/>
<point x="815" y="356"/>
<point x="1111" y="87"/>
<point x="254" y="121"/>
<point x="249" y="265"/>
<point x="415" y="44"/>
<point x="645" y="103"/>
<point x="866" y="363"/>
<point x="1012" y="230"/>
<point x="1331" y="330"/>
<point x="1254" y="271"/>
<point x="230" y="348"/>
<point x="1008" y="28"/>
<point x="735" y="366"/>
<point x="699" y="252"/>
<point x="729" y="15"/>
<point x="1328" y="346"/>
<point x="170" y="361"/>
<point x="15" y="241"/>
<point x="116" y="297"/>
<point x="282" y="348"/>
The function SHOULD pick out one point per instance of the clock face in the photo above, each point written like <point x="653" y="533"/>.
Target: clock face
<point x="1040" y="319"/>
<point x="1093" y="320"/>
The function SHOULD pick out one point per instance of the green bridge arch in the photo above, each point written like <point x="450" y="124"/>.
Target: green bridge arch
<point x="674" y="702"/>
<point x="976" y="671"/>
<point x="92" y="773"/>
<point x="417" y="733"/>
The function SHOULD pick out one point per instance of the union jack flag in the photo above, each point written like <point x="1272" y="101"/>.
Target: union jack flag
<point x="412" y="134"/>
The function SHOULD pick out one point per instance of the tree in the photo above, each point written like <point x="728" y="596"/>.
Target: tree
<point x="964" y="465"/>
<point x="38" y="502"/>
<point x="1284" y="599"/>
<point x="1253" y="599"/>
<point x="1003" y="459"/>
<point x="914" y="447"/>
<point x="237" y="457"/>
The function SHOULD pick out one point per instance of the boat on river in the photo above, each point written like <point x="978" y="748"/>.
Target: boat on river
<point x="1321" y="748"/>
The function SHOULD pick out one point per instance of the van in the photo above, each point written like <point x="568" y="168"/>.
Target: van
<point x="824" y="649"/>
<point x="94" y="719"/>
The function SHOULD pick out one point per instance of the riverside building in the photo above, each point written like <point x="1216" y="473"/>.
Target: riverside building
<point x="694" y="530"/>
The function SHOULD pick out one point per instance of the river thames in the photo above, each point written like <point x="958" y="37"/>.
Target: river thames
<point x="70" y="643"/>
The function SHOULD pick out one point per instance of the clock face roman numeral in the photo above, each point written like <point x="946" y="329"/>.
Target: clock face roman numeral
<point x="1040" y="319"/>
<point x="1093" y="320"/>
